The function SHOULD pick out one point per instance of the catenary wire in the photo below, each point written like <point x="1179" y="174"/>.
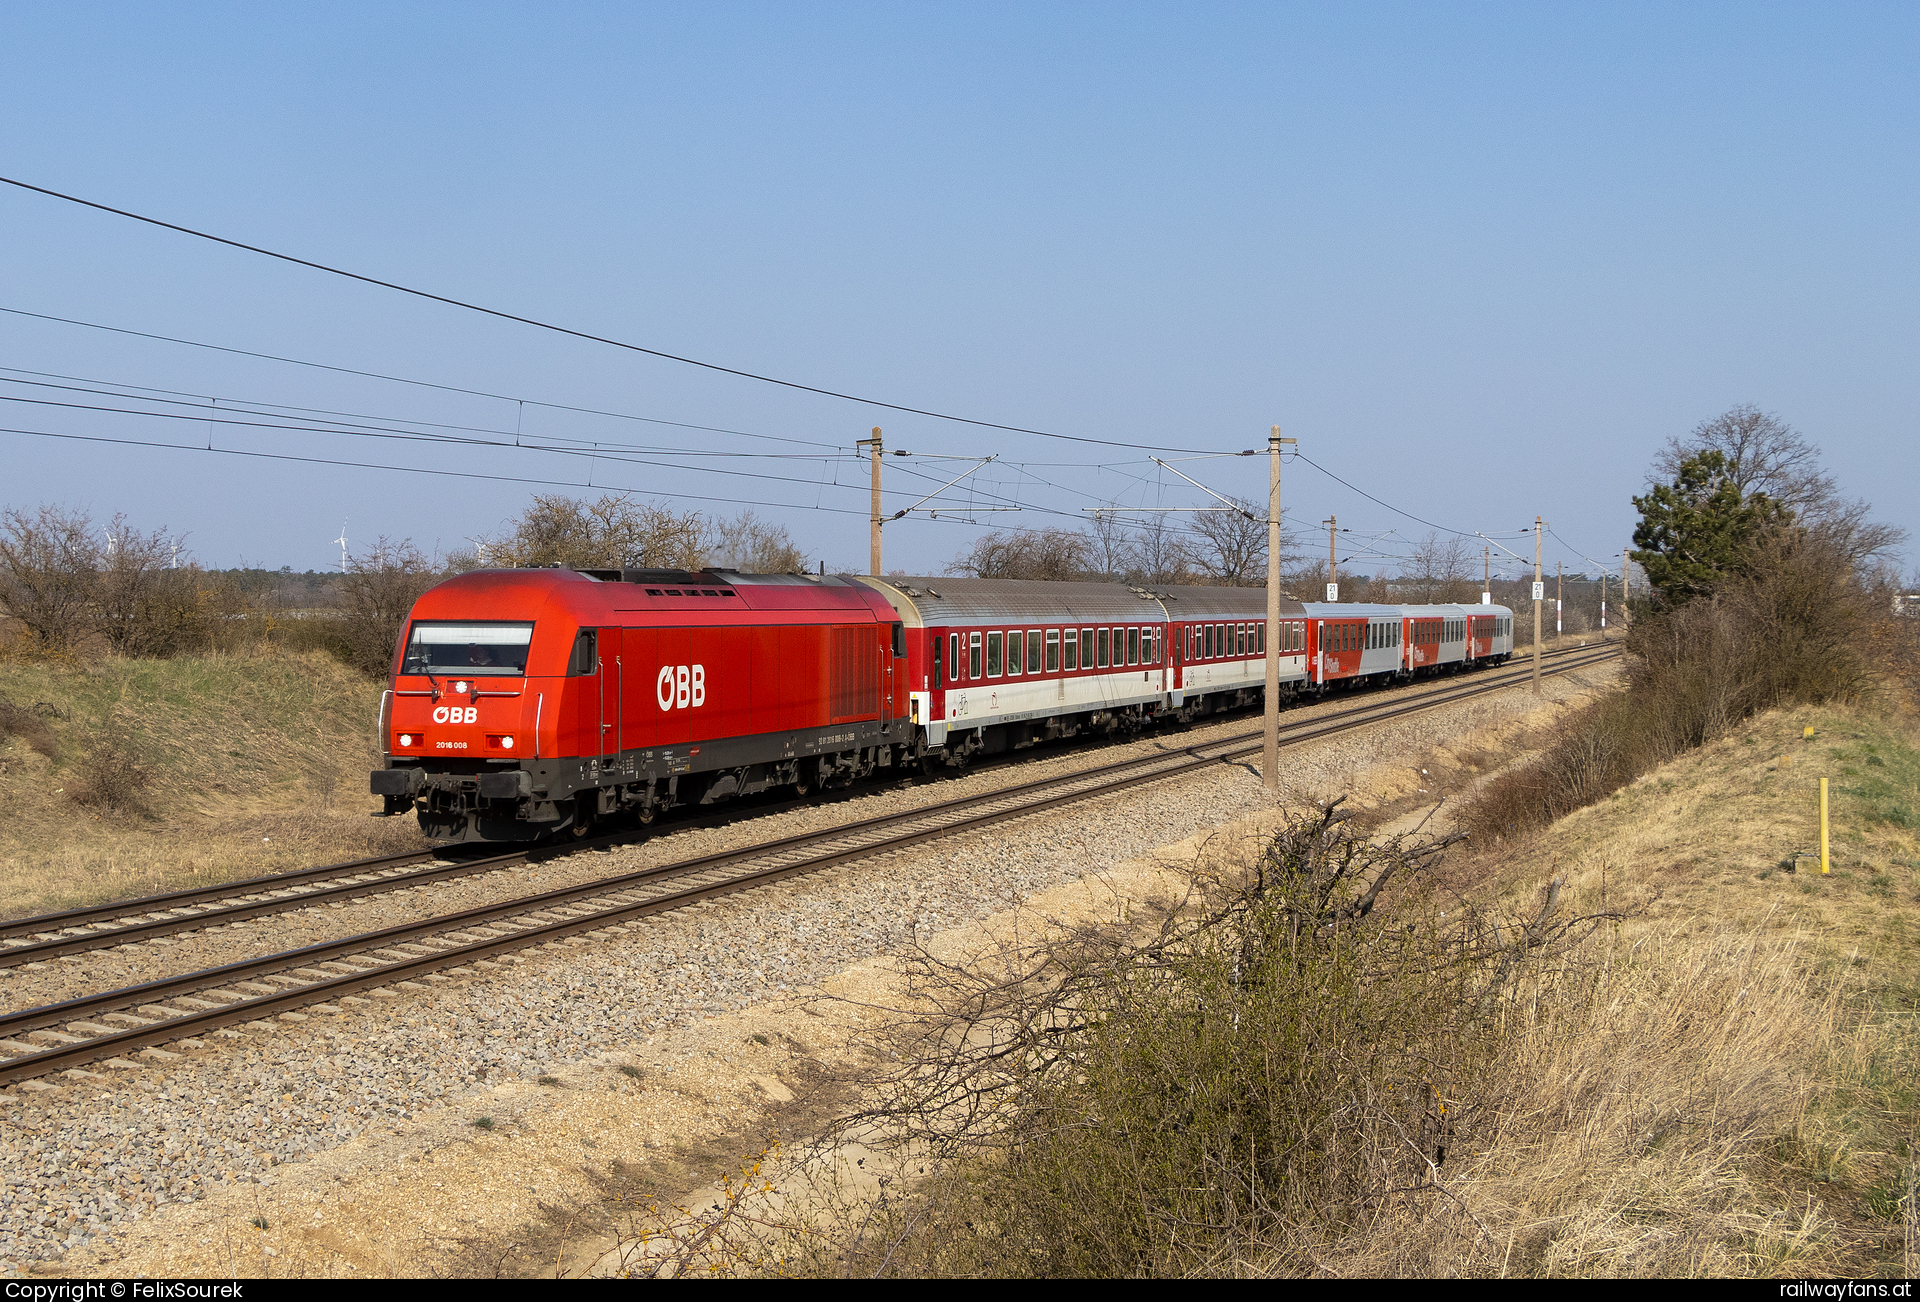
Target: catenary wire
<point x="580" y="334"/>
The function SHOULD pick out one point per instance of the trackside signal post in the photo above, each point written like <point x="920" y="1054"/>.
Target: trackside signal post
<point x="1270" y="750"/>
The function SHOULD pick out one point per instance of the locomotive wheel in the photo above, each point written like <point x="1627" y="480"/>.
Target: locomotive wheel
<point x="582" y="826"/>
<point x="803" y="788"/>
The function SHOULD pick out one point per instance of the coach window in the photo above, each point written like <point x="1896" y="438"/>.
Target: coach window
<point x="1053" y="650"/>
<point x="1133" y="645"/>
<point x="1072" y="651"/>
<point x="973" y="655"/>
<point x="1033" y="650"/>
<point x="1086" y="648"/>
<point x="1106" y="641"/>
<point x="1240" y="639"/>
<point x="1016" y="649"/>
<point x="995" y="642"/>
<point x="953" y="653"/>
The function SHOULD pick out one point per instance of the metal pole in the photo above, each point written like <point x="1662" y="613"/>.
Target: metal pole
<point x="1270" y="751"/>
<point x="1486" y="581"/>
<point x="1559" y="596"/>
<point x="874" y="541"/>
<point x="1333" y="580"/>
<point x="1539" y="595"/>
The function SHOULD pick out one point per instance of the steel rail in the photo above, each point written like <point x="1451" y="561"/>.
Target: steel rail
<point x="319" y="987"/>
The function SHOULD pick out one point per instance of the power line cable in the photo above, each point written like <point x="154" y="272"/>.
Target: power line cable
<point x="208" y="418"/>
<point x="180" y="398"/>
<point x="402" y="379"/>
<point x="577" y="334"/>
<point x="420" y="470"/>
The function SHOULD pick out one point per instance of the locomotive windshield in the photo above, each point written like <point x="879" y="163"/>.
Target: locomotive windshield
<point x="467" y="650"/>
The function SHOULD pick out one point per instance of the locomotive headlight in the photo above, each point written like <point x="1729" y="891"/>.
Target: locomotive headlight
<point x="506" y="743"/>
<point x="406" y="739"/>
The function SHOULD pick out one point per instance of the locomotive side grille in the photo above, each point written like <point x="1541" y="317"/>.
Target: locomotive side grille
<point x="856" y="674"/>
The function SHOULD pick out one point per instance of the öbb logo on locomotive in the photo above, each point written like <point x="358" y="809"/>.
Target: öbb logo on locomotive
<point x="456" y="714"/>
<point x="681" y="687"/>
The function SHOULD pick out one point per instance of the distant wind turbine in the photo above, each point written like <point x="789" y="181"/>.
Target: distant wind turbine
<point x="342" y="540"/>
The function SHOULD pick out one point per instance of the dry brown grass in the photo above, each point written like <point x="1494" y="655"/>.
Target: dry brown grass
<point x="1720" y="1082"/>
<point x="148" y="775"/>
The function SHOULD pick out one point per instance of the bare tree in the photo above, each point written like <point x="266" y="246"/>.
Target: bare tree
<point x="148" y="605"/>
<point x="1766" y="455"/>
<point x="1231" y="545"/>
<point x="1055" y="554"/>
<point x="49" y="574"/>
<point x="381" y="585"/>
<point x="752" y="545"/>
<point x="611" y="533"/>
<point x="1160" y="553"/>
<point x="1439" y="570"/>
<point x="1109" y="544"/>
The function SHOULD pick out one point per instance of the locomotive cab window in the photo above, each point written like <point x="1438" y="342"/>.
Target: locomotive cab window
<point x="899" y="641"/>
<point x="586" y="654"/>
<point x="469" y="650"/>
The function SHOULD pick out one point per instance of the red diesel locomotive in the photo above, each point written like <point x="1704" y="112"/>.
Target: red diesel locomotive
<point x="535" y="702"/>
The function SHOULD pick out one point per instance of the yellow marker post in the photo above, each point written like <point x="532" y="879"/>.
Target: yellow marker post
<point x="1823" y="826"/>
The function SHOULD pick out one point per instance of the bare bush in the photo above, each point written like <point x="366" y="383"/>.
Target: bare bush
<point x="110" y="779"/>
<point x="752" y="546"/>
<point x="613" y="532"/>
<point x="1054" y="554"/>
<point x="381" y="586"/>
<point x="1297" y="1051"/>
<point x="33" y="725"/>
<point x="1791" y="627"/>
<point x="49" y="574"/>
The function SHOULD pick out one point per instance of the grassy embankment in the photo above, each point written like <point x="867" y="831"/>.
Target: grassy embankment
<point x="1715" y="1076"/>
<point x="127" y="777"/>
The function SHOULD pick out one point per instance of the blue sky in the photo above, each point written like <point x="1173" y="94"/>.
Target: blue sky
<point x="1480" y="260"/>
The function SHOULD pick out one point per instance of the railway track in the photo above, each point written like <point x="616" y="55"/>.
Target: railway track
<point x="77" y="931"/>
<point x="65" y="1036"/>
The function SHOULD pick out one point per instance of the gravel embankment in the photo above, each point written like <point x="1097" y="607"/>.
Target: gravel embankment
<point x="78" y="1160"/>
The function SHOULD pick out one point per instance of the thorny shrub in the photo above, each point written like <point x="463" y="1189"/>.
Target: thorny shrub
<point x="109" y="779"/>
<point x="1287" y="1054"/>
<point x="31" y="724"/>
